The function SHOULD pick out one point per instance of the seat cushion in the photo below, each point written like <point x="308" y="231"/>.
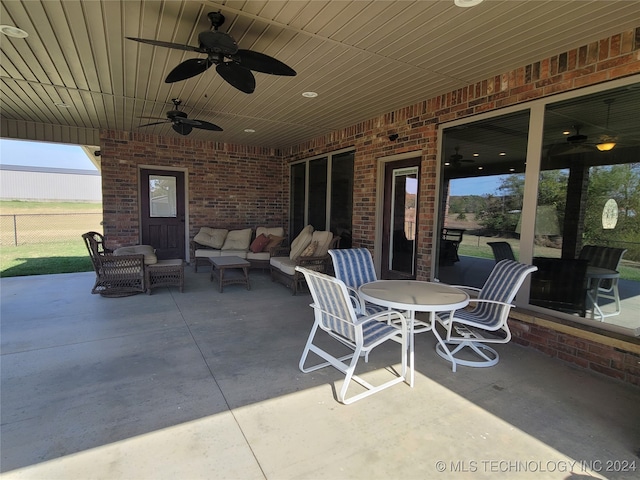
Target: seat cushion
<point x="258" y="256"/>
<point x="211" y="237"/>
<point x="146" y="250"/>
<point x="301" y="242"/>
<point x="284" y="264"/>
<point x="206" y="252"/>
<point x="238" y="240"/>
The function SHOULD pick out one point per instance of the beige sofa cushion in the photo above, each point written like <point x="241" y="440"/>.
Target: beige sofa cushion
<point x="146" y="250"/>
<point x="324" y="241"/>
<point x="211" y="237"/>
<point x="207" y="252"/>
<point x="301" y="242"/>
<point x="258" y="256"/>
<point x="238" y="240"/>
<point x="284" y="264"/>
<point x="266" y="231"/>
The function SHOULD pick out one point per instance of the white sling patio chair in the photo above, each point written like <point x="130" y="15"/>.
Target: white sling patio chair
<point x="334" y="314"/>
<point x="354" y="266"/>
<point x="486" y="322"/>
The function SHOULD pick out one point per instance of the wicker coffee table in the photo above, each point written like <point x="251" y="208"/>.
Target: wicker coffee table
<point x="230" y="270"/>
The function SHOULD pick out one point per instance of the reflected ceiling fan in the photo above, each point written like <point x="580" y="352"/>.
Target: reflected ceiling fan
<point x="233" y="64"/>
<point x="181" y="123"/>
<point x="456" y="160"/>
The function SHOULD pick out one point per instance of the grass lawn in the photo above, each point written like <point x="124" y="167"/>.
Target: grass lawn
<point x="49" y="237"/>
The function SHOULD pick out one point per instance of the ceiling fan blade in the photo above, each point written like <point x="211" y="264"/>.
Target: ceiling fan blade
<point x="160" y="43"/>
<point x="181" y="128"/>
<point x="186" y="121"/>
<point x="187" y="69"/>
<point x="218" y="42"/>
<point x="259" y="62"/>
<point x="237" y="76"/>
<point x="154" y="123"/>
<point x="207" y="126"/>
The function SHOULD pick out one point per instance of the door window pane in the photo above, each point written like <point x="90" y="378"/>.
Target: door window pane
<point x="318" y="193"/>
<point x="403" y="220"/>
<point x="342" y="197"/>
<point x="162" y="196"/>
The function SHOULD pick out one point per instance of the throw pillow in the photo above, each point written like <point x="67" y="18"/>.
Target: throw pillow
<point x="310" y="250"/>
<point x="274" y="242"/>
<point x="259" y="243"/>
<point x="211" y="237"/>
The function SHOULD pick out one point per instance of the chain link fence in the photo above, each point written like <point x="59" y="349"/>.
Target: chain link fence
<point x="31" y="229"/>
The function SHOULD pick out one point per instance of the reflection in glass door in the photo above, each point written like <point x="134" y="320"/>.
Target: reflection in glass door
<point x="399" y="242"/>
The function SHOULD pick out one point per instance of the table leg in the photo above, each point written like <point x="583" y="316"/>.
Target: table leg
<point x="592" y="294"/>
<point x="221" y="278"/>
<point x="246" y="277"/>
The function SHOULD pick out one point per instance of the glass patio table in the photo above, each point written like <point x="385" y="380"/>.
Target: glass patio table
<point x="415" y="296"/>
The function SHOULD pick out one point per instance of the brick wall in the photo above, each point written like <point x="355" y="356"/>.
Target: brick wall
<point x="230" y="186"/>
<point x="611" y="355"/>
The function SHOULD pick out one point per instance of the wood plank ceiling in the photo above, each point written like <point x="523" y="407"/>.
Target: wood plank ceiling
<point x="363" y="58"/>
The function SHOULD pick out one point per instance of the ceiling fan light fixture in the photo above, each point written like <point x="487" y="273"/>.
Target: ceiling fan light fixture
<point x="606" y="146"/>
<point x="11" y="31"/>
<point x="467" y="3"/>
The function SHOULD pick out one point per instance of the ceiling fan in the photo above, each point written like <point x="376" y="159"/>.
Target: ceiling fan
<point x="181" y="123"/>
<point x="456" y="160"/>
<point x="233" y="64"/>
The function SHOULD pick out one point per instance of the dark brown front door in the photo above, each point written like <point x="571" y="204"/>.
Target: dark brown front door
<point x="163" y="212"/>
<point x="399" y="222"/>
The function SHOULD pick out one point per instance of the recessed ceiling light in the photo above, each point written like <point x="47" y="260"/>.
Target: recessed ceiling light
<point x="11" y="31"/>
<point x="512" y="169"/>
<point x="502" y="154"/>
<point x="480" y="168"/>
<point x="566" y="132"/>
<point x="476" y="154"/>
<point x="309" y="94"/>
<point x="467" y="3"/>
<point x="63" y="105"/>
<point x="249" y="130"/>
<point x="446" y="164"/>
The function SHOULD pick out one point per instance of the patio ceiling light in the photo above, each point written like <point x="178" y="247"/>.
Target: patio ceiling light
<point x="467" y="3"/>
<point x="11" y="31"/>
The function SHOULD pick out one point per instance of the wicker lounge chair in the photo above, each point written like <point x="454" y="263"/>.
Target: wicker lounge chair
<point x="116" y="275"/>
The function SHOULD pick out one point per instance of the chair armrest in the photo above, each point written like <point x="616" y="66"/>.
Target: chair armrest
<point x="387" y="314"/>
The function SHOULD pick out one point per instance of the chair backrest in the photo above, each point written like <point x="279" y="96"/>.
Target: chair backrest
<point x="333" y="309"/>
<point x="603" y="257"/>
<point x="452" y="234"/>
<point x="95" y="245"/>
<point x="502" y="251"/>
<point x="353" y="266"/>
<point x="502" y="285"/>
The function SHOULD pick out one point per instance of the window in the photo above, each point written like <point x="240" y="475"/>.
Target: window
<point x="322" y="195"/>
<point x="550" y="179"/>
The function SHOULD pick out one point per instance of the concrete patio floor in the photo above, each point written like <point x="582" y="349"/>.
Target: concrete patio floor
<point x="206" y="385"/>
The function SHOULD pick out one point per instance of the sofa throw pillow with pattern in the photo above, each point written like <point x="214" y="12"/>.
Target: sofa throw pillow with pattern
<point x="259" y="243"/>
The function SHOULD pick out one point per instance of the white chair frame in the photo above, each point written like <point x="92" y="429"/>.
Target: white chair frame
<point x="335" y="314"/>
<point x="490" y="312"/>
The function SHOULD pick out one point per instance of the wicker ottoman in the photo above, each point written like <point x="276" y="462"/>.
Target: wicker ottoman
<point x="165" y="273"/>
